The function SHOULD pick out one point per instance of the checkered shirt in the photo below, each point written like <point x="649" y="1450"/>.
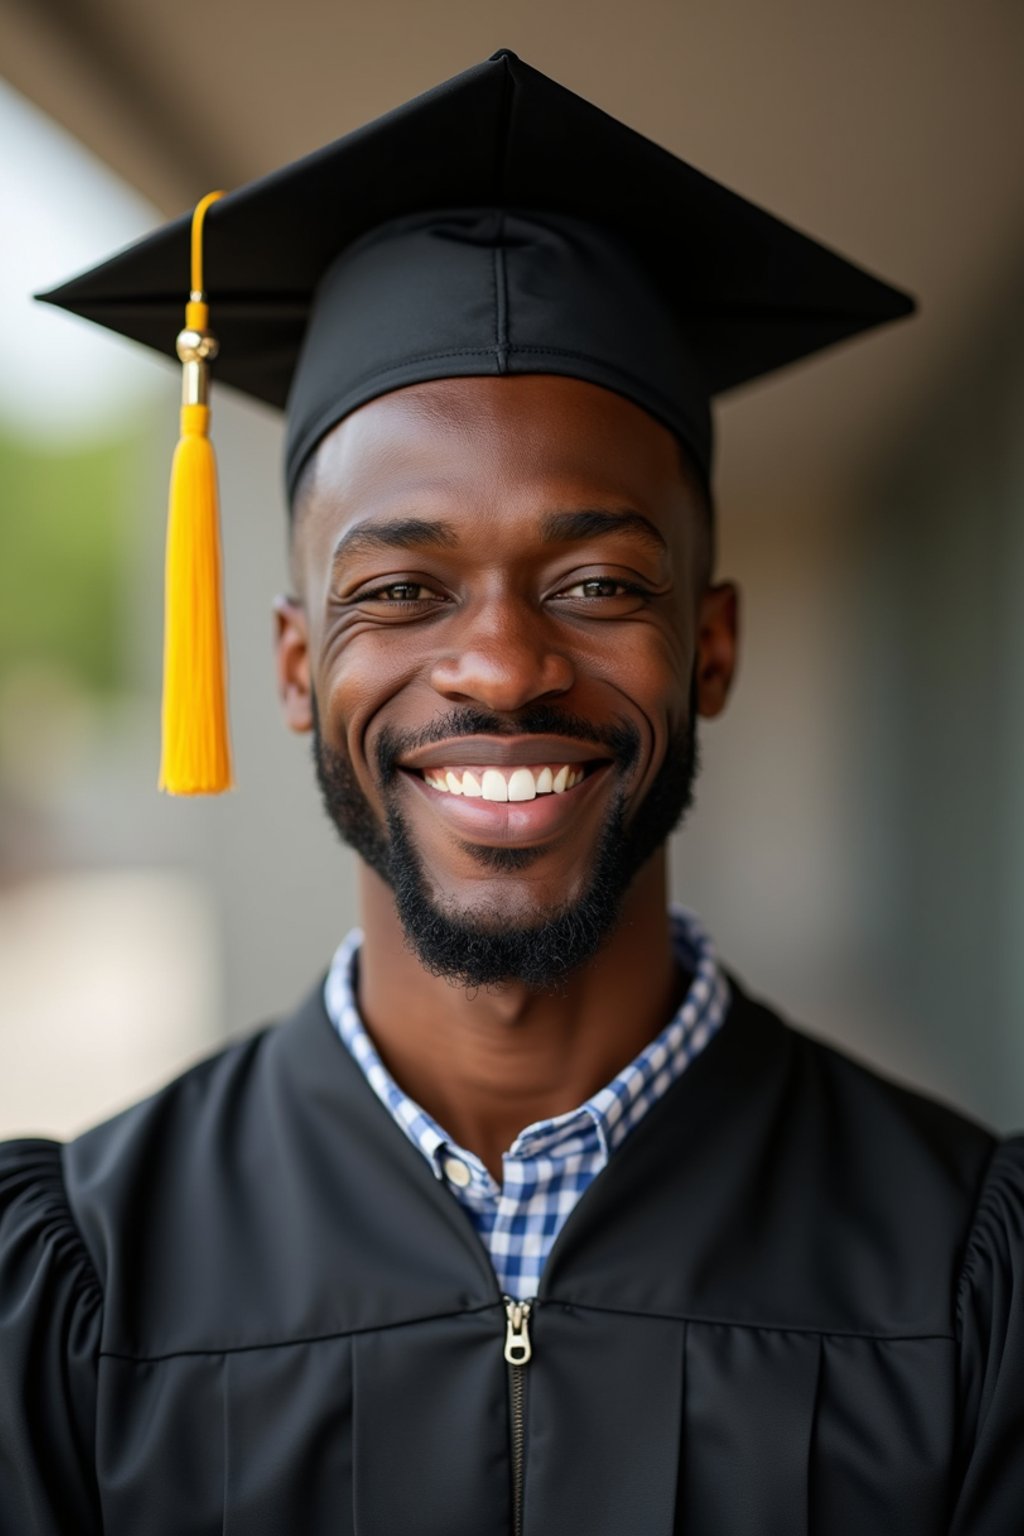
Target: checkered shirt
<point x="551" y="1163"/>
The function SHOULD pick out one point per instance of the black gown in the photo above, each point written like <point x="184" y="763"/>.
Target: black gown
<point x="791" y="1305"/>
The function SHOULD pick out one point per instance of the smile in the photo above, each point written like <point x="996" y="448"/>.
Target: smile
<point x="511" y="805"/>
<point x="501" y="785"/>
<point x="502" y="790"/>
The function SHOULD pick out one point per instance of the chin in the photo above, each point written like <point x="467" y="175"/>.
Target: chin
<point x="505" y="904"/>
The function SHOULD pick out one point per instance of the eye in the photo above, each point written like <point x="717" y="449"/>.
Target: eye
<point x="602" y="586"/>
<point x="400" y="592"/>
<point x="596" y="587"/>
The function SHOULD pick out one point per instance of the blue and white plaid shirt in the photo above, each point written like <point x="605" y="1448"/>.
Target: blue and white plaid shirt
<point x="552" y="1162"/>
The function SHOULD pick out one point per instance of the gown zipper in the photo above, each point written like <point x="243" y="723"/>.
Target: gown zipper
<point x="518" y="1354"/>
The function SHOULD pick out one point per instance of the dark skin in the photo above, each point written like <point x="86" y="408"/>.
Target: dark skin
<point x="507" y="610"/>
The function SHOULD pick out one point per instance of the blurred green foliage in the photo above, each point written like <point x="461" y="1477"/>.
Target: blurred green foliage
<point x="66" y="545"/>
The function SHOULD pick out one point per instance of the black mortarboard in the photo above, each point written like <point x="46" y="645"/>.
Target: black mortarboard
<point x="634" y="271"/>
<point x="496" y="224"/>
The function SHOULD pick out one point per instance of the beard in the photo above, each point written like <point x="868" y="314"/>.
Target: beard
<point x="483" y="949"/>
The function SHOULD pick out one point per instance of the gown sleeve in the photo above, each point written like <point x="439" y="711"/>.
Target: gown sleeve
<point x="990" y="1495"/>
<point x="50" y="1314"/>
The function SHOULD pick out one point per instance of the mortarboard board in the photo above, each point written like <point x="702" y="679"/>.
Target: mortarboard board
<point x="495" y="224"/>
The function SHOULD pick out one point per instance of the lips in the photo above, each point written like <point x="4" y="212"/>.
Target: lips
<point x="543" y="818"/>
<point x="501" y="752"/>
<point x="500" y="790"/>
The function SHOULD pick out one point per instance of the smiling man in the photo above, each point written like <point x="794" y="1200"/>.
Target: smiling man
<point x="510" y="680"/>
<point x="530" y="1220"/>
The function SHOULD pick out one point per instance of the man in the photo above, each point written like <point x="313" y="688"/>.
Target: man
<point x="530" y="1219"/>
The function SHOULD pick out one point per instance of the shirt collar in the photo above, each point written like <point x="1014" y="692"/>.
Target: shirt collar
<point x="612" y="1112"/>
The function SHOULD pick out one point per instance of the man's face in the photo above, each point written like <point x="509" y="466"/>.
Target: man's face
<point x="502" y="638"/>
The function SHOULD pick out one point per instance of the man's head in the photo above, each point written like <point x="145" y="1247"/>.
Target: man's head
<point x="575" y="298"/>
<point x="495" y="575"/>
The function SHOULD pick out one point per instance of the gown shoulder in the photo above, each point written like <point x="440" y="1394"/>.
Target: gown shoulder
<point x="990" y="1329"/>
<point x="51" y="1310"/>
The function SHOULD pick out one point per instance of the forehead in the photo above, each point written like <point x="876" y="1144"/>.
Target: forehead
<point x="500" y="451"/>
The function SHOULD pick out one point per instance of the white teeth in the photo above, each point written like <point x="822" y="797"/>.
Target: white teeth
<point x="522" y="785"/>
<point x="494" y="786"/>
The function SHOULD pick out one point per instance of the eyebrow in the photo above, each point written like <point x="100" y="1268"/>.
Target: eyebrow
<point x="400" y="533"/>
<point x="565" y="527"/>
<point x="426" y="533"/>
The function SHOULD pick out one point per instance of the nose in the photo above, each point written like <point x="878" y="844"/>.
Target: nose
<point x="506" y="659"/>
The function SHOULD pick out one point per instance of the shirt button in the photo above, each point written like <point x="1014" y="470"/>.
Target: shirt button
<point x="456" y="1170"/>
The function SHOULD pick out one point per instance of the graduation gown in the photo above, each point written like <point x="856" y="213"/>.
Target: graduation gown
<point x="792" y="1303"/>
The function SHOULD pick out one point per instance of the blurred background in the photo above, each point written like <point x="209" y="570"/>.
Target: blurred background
<point x="858" y="843"/>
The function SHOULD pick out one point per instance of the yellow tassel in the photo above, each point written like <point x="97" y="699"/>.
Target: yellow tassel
<point x="196" y="756"/>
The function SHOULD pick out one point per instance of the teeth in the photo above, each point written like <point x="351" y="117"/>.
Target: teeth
<point x="492" y="783"/>
<point x="522" y="785"/>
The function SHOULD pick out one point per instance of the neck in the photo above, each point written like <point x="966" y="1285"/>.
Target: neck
<point x="487" y="1063"/>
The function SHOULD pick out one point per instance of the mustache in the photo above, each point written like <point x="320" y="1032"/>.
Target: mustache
<point x="621" y="739"/>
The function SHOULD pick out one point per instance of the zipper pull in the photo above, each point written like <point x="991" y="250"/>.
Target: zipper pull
<point x="518" y="1349"/>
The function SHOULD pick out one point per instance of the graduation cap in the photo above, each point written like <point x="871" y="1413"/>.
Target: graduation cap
<point x="497" y="224"/>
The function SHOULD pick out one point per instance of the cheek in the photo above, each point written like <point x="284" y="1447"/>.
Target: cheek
<point x="650" y="664"/>
<point x="654" y="667"/>
<point x="360" y="677"/>
<point x="676" y="658"/>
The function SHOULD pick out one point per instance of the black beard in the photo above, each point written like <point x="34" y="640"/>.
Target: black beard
<point x="483" y="950"/>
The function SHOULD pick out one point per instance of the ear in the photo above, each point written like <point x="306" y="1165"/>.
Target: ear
<point x="291" y="648"/>
<point x="717" y="647"/>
